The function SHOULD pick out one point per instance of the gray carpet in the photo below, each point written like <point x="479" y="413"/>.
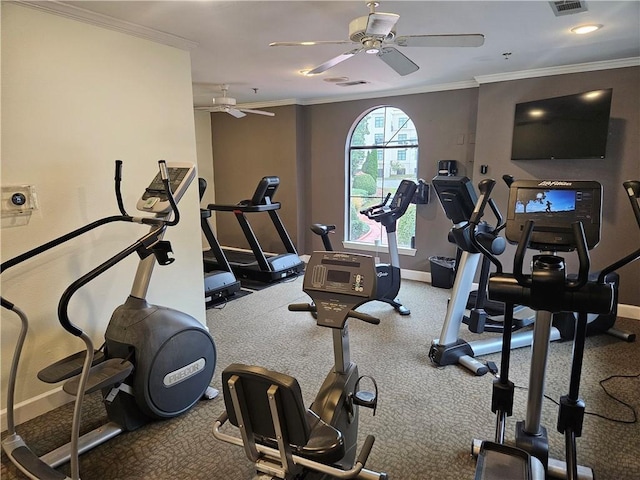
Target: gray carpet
<point x="426" y="418"/>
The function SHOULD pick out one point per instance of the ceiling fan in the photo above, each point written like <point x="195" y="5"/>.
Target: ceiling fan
<point x="228" y="105"/>
<point x="375" y="34"/>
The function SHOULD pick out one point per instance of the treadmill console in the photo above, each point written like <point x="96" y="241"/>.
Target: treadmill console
<point x="339" y="282"/>
<point x="265" y="191"/>
<point x="554" y="205"/>
<point x="155" y="200"/>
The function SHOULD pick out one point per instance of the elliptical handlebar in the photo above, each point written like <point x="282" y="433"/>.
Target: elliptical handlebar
<point x="143" y="244"/>
<point x="632" y="188"/>
<point x="485" y="187"/>
<point x="164" y="175"/>
<point x="118" y="181"/>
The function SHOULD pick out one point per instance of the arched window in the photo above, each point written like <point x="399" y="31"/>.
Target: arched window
<point x="382" y="151"/>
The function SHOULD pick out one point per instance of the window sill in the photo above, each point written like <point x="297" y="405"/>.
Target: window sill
<point x="366" y="247"/>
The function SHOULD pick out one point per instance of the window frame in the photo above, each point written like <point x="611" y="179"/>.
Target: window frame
<point x="407" y="143"/>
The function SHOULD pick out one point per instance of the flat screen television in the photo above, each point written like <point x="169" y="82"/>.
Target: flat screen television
<point x="568" y="127"/>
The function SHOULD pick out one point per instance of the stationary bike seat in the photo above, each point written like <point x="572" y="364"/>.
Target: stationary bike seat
<point x="321" y="229"/>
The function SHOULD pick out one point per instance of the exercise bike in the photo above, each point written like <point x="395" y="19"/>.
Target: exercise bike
<point x="156" y="362"/>
<point x="387" y="214"/>
<point x="279" y="434"/>
<point x="547" y="289"/>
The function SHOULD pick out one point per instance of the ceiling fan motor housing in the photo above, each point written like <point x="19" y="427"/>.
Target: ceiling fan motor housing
<point x="225" y="101"/>
<point x="358" y="28"/>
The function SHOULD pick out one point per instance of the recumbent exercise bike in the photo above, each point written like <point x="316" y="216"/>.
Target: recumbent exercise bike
<point x="279" y="434"/>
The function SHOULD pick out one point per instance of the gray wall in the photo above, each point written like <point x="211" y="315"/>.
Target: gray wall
<point x="245" y="150"/>
<point x="620" y="235"/>
<point x="305" y="146"/>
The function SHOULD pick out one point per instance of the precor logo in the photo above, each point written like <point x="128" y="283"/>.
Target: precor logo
<point x="182" y="374"/>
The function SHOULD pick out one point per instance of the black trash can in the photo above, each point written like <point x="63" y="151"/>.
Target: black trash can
<point x="443" y="270"/>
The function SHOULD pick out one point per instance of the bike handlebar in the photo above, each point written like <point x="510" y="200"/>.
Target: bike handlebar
<point x="308" y="307"/>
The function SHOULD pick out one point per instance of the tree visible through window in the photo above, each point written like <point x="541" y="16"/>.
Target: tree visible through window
<point x="383" y="150"/>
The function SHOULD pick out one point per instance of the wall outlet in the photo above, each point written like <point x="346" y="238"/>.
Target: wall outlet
<point x="18" y="199"/>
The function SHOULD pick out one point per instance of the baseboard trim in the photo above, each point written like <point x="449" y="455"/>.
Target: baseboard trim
<point x="45" y="402"/>
<point x="36" y="406"/>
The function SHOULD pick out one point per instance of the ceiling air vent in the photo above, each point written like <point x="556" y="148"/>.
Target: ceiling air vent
<point x="352" y="83"/>
<point x="568" y="7"/>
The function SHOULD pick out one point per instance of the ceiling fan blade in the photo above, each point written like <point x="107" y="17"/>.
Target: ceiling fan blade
<point x="397" y="60"/>
<point x="334" y="61"/>
<point x="235" y="112"/>
<point x="309" y="44"/>
<point x="453" y="40"/>
<point x="259" y="112"/>
<point x="380" y="24"/>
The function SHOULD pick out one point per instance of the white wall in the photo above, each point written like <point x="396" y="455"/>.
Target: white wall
<point x="204" y="150"/>
<point x="75" y="98"/>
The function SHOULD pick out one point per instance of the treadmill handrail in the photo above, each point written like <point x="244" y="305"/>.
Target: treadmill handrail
<point x="243" y="208"/>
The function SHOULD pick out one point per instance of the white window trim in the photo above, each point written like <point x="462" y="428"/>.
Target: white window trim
<point x="367" y="247"/>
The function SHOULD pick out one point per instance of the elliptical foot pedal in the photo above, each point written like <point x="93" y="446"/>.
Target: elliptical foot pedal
<point x="497" y="462"/>
<point x="103" y="375"/>
<point x="68" y="367"/>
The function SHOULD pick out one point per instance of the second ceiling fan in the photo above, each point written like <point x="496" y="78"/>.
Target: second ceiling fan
<point x="375" y="34"/>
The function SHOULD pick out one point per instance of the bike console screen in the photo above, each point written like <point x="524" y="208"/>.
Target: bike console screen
<point x="338" y="282"/>
<point x="553" y="206"/>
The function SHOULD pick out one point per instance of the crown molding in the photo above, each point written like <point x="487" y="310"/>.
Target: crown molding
<point x="365" y="96"/>
<point x="561" y="70"/>
<point x="394" y="93"/>
<point x="80" y="14"/>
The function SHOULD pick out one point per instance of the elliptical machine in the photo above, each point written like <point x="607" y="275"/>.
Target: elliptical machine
<point x="387" y="214"/>
<point x="572" y="224"/>
<point x="156" y="362"/>
<point x="279" y="434"/>
<point x="459" y="201"/>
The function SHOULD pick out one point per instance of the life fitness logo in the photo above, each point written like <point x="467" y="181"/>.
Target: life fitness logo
<point x="184" y="373"/>
<point x="554" y="183"/>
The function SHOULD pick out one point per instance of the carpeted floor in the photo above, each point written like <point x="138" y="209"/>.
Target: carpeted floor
<point x="426" y="418"/>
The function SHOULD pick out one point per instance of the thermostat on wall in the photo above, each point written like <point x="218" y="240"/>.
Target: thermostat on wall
<point x="19" y="199"/>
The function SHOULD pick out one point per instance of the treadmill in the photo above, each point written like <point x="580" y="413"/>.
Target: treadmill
<point x="219" y="280"/>
<point x="256" y="265"/>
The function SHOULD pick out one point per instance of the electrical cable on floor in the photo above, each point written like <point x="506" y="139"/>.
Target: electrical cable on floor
<point x="616" y="399"/>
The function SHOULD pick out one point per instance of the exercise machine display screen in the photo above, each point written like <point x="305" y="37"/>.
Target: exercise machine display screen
<point x="155" y="198"/>
<point x="457" y="197"/>
<point x="554" y="206"/>
<point x="339" y="276"/>
<point x="338" y="282"/>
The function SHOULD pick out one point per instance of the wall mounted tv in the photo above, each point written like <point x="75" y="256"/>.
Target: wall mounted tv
<point x="572" y="126"/>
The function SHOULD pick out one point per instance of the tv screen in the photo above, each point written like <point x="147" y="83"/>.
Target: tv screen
<point x="568" y="127"/>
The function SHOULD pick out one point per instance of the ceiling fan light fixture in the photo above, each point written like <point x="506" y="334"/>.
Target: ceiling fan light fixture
<point x="372" y="46"/>
<point x="584" y="29"/>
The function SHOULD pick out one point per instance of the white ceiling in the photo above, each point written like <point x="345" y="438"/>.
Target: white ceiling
<point x="229" y="43"/>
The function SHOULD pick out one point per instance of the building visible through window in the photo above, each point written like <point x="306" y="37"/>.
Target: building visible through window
<point x="383" y="150"/>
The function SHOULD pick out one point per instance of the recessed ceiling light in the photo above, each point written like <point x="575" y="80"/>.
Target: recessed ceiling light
<point x="582" y="29"/>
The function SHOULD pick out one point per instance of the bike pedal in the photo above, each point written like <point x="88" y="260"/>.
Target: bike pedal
<point x="366" y="398"/>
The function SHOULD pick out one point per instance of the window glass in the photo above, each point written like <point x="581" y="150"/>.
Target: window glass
<point x="383" y="150"/>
